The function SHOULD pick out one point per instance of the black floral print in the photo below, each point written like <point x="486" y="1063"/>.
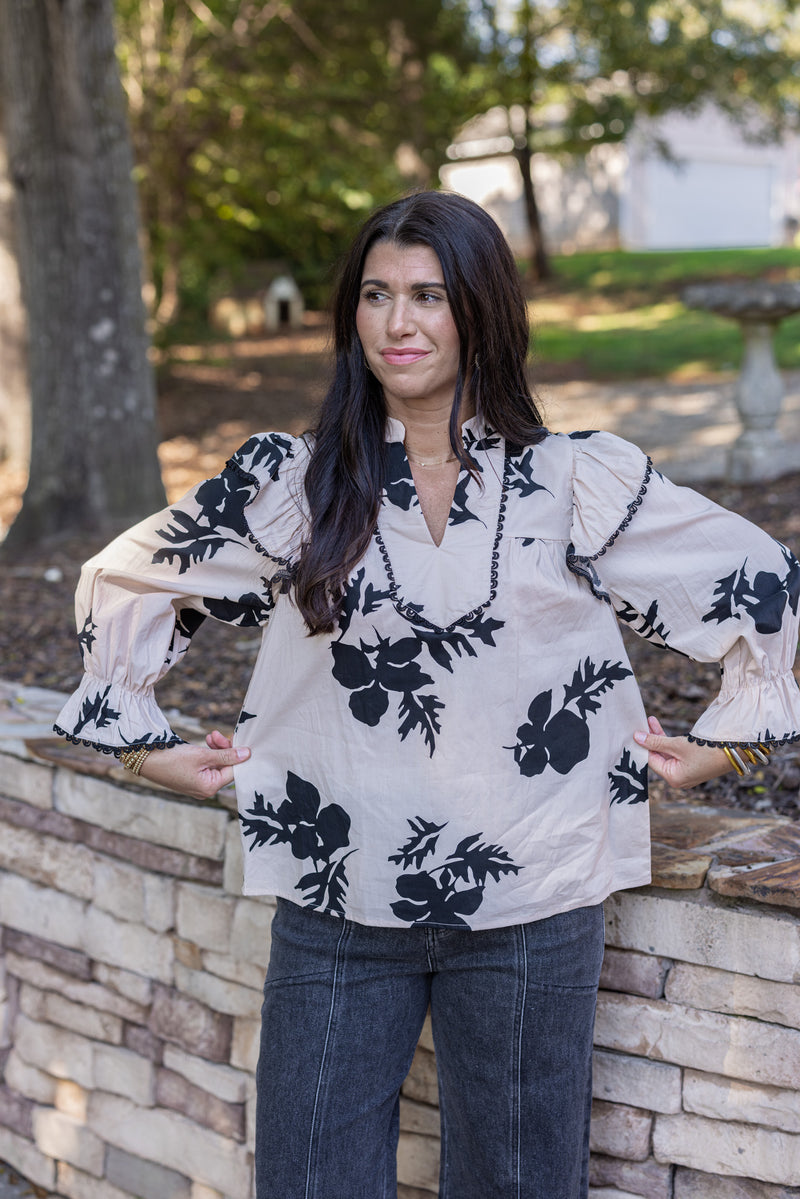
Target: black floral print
<point x="628" y="781"/>
<point x="764" y="599"/>
<point x="399" y="486"/>
<point x="481" y="445"/>
<point x="96" y="710"/>
<point x="646" y="624"/>
<point x="243" y="718"/>
<point x="520" y="472"/>
<point x="459" y="512"/>
<point x="443" y="647"/>
<point x="378" y="669"/>
<point x="194" y="538"/>
<point x="188" y="621"/>
<point x="222" y="501"/>
<point x="445" y="893"/>
<point x="401" y="492"/>
<point x="312" y="833"/>
<point x="273" y="450"/>
<point x="86" y="637"/>
<point x="353" y="601"/>
<point x="248" y="611"/>
<point x="374" y="671"/>
<point x="560" y="739"/>
<point x="165" y="738"/>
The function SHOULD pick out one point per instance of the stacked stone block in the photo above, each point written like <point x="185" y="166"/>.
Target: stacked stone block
<point x="130" y="991"/>
<point x="131" y="986"/>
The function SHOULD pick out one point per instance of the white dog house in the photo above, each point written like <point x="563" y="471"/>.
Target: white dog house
<point x="283" y="305"/>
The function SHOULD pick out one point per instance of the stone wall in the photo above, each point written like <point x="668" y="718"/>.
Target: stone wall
<point x="131" y="987"/>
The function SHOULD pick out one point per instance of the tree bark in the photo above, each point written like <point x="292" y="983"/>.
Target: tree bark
<point x="15" y="430"/>
<point x="540" y="260"/>
<point x="523" y="141"/>
<point x="94" y="465"/>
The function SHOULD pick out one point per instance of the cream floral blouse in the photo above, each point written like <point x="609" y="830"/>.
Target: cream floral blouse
<point x="460" y="751"/>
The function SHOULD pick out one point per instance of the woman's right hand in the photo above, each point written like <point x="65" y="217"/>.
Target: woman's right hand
<point x="195" y="770"/>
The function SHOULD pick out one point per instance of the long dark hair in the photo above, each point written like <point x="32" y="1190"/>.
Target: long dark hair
<point x="345" y="477"/>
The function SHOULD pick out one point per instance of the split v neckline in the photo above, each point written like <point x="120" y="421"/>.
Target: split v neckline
<point x="419" y="570"/>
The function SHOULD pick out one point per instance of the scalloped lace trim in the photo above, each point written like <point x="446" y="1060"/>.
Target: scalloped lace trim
<point x="118" y="749"/>
<point x="287" y="563"/>
<point x="246" y="475"/>
<point x="635" y="504"/>
<point x="581" y="564"/>
<point x="786" y="739"/>
<point x="289" y="568"/>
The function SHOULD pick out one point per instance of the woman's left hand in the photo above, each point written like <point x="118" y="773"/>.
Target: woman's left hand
<point x="680" y="762"/>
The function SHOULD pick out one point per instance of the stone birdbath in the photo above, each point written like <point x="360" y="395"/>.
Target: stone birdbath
<point x="759" y="307"/>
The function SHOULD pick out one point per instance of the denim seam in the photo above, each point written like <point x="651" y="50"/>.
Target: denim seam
<point x="323" y="1060"/>
<point x="518" y="1154"/>
<point x="430" y="949"/>
<point x="444" y="1155"/>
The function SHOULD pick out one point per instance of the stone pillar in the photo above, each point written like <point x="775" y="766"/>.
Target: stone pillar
<point x="756" y="454"/>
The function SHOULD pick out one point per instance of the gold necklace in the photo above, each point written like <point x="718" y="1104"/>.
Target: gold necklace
<point x="438" y="462"/>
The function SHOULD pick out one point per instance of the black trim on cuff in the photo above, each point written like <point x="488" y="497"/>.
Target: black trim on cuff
<point x="769" y="741"/>
<point x="116" y="750"/>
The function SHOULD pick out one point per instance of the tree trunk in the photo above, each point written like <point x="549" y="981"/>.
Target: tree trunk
<point x="93" y="456"/>
<point x="523" y="140"/>
<point x="540" y="260"/>
<point x="15" y="431"/>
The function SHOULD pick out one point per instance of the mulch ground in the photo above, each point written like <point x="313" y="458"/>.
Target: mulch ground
<point x="206" y="411"/>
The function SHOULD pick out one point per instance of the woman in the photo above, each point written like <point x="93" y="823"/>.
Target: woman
<point x="441" y="760"/>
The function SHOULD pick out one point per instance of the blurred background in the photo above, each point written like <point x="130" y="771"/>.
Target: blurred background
<point x="215" y="158"/>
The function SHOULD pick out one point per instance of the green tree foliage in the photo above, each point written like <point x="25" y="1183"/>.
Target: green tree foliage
<point x="267" y="130"/>
<point x="573" y="73"/>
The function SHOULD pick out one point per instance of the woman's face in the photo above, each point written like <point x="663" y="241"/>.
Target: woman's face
<point x="406" y="327"/>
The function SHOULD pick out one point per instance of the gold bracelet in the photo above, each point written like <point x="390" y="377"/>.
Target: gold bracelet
<point x="735" y="761"/>
<point x="757" y="754"/>
<point x="134" y="759"/>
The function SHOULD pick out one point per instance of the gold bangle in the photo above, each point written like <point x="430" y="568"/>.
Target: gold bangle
<point x="134" y="759"/>
<point x="735" y="761"/>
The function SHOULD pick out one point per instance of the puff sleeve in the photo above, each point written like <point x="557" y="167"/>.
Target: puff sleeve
<point x="217" y="552"/>
<point x="696" y="578"/>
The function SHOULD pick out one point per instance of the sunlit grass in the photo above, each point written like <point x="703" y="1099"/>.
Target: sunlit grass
<point x="619" y="270"/>
<point x="619" y="315"/>
<point x="653" y="317"/>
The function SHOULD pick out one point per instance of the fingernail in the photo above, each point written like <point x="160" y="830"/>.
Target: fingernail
<point x="242" y="754"/>
<point x="639" y="738"/>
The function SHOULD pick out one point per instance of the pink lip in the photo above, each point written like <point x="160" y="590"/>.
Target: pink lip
<point x="395" y="357"/>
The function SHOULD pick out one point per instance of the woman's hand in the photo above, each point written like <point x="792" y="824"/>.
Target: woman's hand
<point x="196" y="770"/>
<point x="680" y="762"/>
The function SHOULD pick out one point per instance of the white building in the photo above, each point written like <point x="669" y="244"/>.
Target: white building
<point x="716" y="189"/>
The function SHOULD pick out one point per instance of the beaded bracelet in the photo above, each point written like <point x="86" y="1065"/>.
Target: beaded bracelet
<point x="134" y="759"/>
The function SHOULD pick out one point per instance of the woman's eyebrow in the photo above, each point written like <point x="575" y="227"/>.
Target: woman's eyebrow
<point x="414" y="286"/>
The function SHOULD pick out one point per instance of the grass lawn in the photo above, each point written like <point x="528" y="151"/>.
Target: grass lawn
<point x="614" y="314"/>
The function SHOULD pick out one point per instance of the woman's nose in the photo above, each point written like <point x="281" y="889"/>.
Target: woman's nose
<point x="400" y="319"/>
